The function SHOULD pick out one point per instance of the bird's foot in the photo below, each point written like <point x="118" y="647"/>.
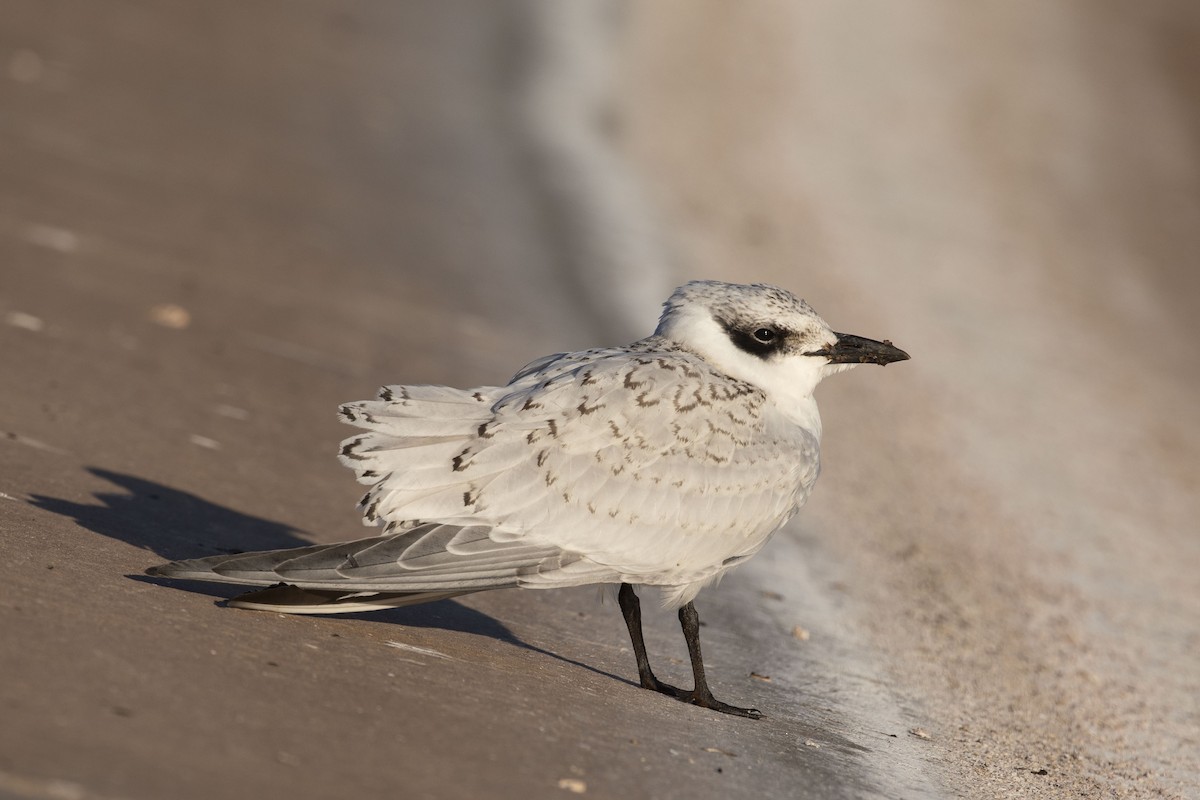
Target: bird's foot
<point x="706" y="700"/>
<point x="703" y="698"/>
<point x="655" y="685"/>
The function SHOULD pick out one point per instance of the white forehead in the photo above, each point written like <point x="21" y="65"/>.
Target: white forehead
<point x="739" y="302"/>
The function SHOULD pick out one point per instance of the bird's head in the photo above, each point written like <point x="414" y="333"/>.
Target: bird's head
<point x="765" y="336"/>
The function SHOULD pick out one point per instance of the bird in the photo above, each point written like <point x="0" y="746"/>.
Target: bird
<point x="664" y="463"/>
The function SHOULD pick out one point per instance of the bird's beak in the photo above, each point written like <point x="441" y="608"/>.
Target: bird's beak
<point x="851" y="349"/>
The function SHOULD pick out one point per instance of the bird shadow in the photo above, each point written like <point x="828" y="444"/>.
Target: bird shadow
<point x="177" y="525"/>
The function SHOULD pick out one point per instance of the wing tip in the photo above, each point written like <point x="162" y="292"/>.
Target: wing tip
<point x="286" y="598"/>
<point x="162" y="570"/>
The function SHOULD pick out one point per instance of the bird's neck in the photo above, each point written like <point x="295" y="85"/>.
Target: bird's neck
<point x="800" y="410"/>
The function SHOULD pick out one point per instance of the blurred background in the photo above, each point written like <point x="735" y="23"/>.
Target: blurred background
<point x="220" y="219"/>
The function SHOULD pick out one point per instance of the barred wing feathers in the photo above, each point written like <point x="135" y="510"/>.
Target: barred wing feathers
<point x="428" y="558"/>
<point x="647" y="465"/>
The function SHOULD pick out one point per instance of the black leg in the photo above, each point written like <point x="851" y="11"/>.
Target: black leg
<point x="631" y="609"/>
<point x="689" y="620"/>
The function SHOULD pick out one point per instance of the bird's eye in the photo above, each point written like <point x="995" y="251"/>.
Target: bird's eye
<point x="764" y="335"/>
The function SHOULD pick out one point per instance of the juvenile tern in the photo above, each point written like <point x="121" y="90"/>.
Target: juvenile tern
<point x="664" y="463"/>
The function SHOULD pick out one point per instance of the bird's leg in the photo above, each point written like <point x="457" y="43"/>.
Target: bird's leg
<point x="689" y="620"/>
<point x="631" y="609"/>
<point x="701" y="695"/>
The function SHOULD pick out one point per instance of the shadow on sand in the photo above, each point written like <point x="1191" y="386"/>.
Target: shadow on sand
<point x="177" y="525"/>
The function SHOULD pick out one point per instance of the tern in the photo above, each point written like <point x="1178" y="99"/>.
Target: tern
<point x="663" y="463"/>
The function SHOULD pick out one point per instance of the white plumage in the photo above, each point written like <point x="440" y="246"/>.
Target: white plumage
<point x="563" y="460"/>
<point x="663" y="463"/>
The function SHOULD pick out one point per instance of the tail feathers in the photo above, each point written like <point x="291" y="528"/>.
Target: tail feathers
<point x="285" y="599"/>
<point x="422" y="410"/>
<point x="414" y="395"/>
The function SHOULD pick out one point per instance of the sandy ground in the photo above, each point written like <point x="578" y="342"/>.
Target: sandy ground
<point x="219" y="220"/>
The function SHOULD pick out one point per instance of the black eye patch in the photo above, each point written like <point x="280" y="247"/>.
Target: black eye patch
<point x="758" y="340"/>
